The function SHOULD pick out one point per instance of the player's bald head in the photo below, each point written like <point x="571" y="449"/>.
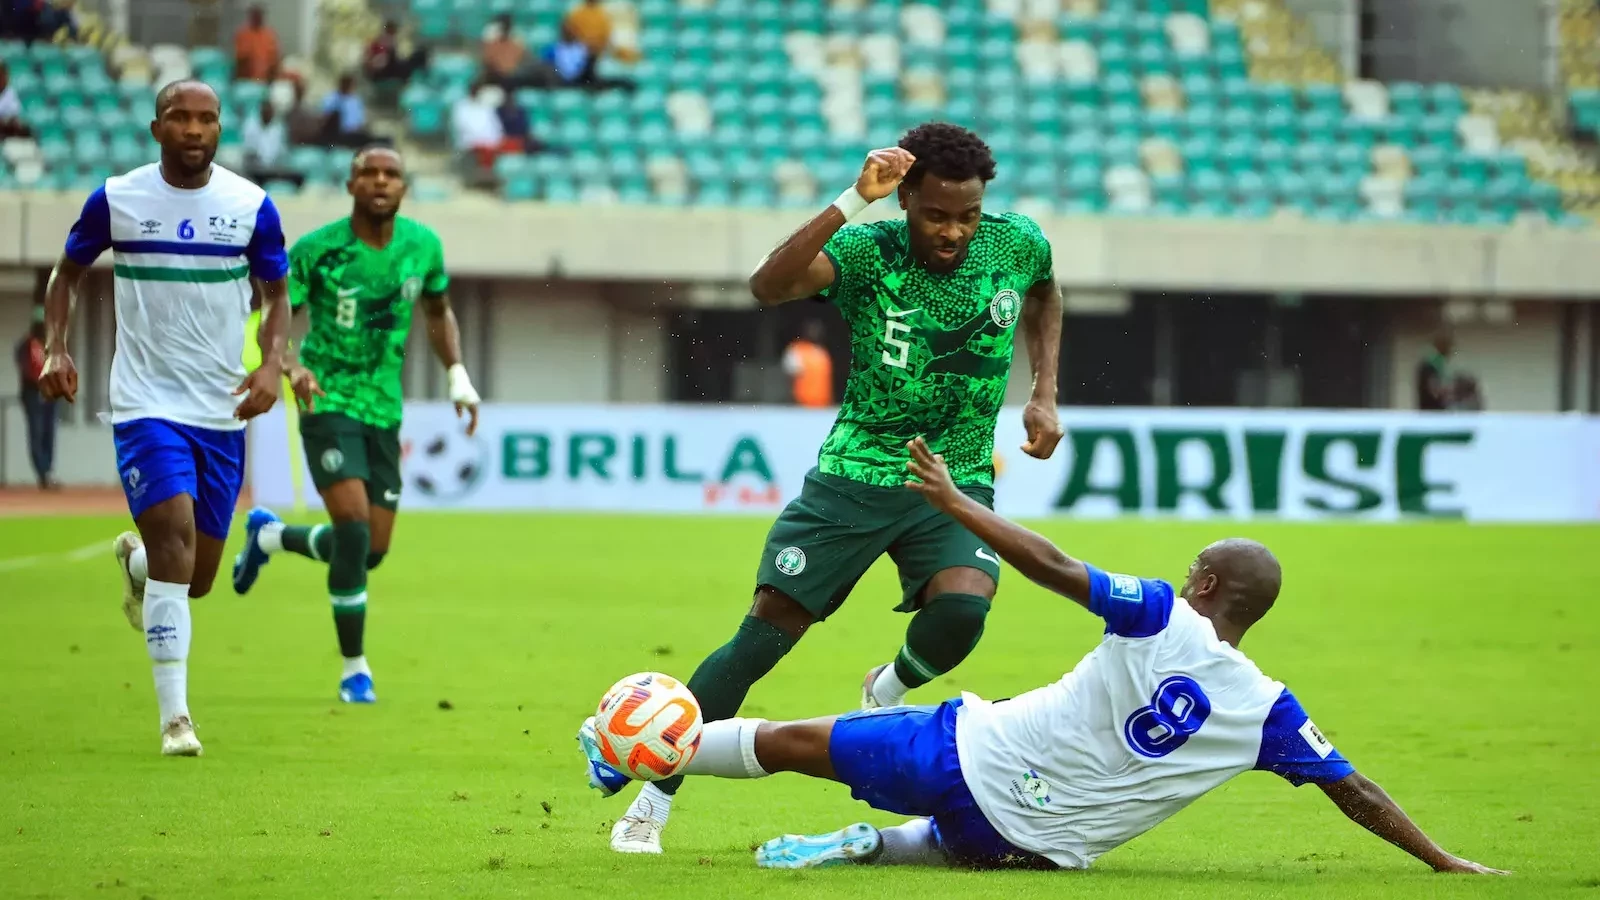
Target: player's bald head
<point x="1236" y="578"/>
<point x="185" y="88"/>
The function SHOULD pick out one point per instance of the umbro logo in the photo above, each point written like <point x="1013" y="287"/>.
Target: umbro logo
<point x="150" y="226"/>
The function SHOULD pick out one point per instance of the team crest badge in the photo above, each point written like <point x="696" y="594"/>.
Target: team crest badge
<point x="1005" y="307"/>
<point x="791" y="560"/>
<point x="411" y="290"/>
<point x="332" y="459"/>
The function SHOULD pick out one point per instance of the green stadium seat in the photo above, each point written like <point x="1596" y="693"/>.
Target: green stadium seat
<point x="1399" y="131"/>
<point x="1431" y="160"/>
<point x="1351" y="158"/>
<point x="1162" y="123"/>
<point x="1447" y="100"/>
<point x="561" y="189"/>
<point x="1240" y="93"/>
<point x="1238" y="155"/>
<point x="1407" y="99"/>
<point x="1201" y="153"/>
<point x="1319" y="127"/>
<point x="1202" y="121"/>
<point x="1240" y="122"/>
<point x="1280" y="124"/>
<point x="1115" y="59"/>
<point x="1152" y="58"/>
<point x="1289" y="186"/>
<point x="1122" y="121"/>
<point x="1439" y="130"/>
<point x="1510" y="165"/>
<point x="1359" y="131"/>
<point x="1472" y="168"/>
<point x="1275" y="157"/>
<point x="1324" y="98"/>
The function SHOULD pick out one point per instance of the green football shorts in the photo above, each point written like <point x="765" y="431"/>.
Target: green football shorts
<point x="827" y="538"/>
<point x="339" y="447"/>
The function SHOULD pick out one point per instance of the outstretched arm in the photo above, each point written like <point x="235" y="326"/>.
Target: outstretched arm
<point x="1367" y="805"/>
<point x="1031" y="554"/>
<point x="797" y="268"/>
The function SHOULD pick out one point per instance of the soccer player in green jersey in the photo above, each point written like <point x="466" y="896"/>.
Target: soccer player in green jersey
<point x="933" y="302"/>
<point x="357" y="280"/>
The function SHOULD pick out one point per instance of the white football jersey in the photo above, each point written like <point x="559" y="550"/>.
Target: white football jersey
<point x="1158" y="714"/>
<point x="184" y="260"/>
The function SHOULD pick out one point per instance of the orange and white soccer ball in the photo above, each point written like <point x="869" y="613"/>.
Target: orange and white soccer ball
<point x="648" y="726"/>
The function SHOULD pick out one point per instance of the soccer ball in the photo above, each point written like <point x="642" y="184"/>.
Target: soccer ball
<point x="648" y="726"/>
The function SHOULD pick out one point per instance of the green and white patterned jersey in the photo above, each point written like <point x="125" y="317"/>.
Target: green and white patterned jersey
<point x="930" y="352"/>
<point x="361" y="301"/>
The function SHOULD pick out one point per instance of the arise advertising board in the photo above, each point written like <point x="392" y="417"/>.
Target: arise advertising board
<point x="1157" y="462"/>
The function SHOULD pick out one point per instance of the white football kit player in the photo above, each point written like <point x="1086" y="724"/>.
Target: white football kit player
<point x="1157" y="715"/>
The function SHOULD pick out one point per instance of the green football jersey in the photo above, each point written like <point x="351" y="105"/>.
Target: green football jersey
<point x="361" y="300"/>
<point x="930" y="352"/>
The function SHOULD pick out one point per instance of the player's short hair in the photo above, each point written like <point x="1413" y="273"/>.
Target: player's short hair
<point x="947" y="151"/>
<point x="165" y="95"/>
<point x="374" y="146"/>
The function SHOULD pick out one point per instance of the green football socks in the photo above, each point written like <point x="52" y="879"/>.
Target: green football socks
<point x="347" y="584"/>
<point x="311" y="541"/>
<point x="939" y="637"/>
<point x="725" y="677"/>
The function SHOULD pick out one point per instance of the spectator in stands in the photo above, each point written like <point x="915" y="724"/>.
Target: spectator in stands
<point x="39" y="413"/>
<point x="305" y="123"/>
<point x="506" y="61"/>
<point x="809" y="366"/>
<point x="479" y="133"/>
<point x="574" y="63"/>
<point x="345" y="116"/>
<point x="11" y="124"/>
<point x="266" y="146"/>
<point x="1440" y="386"/>
<point x="590" y="23"/>
<point x="255" y="48"/>
<point x="387" y="61"/>
<point x="514" y="123"/>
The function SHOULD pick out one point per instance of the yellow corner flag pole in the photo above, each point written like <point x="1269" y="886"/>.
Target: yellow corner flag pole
<point x="252" y="359"/>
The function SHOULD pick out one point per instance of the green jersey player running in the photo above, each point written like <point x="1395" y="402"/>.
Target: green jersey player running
<point x="933" y="302"/>
<point x="357" y="280"/>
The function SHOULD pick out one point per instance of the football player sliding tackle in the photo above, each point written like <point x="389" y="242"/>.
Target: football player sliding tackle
<point x="1165" y="709"/>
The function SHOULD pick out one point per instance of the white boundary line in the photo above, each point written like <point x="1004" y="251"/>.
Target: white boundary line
<point x="82" y="553"/>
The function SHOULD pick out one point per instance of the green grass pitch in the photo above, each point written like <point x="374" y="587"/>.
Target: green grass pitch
<point x="1456" y="665"/>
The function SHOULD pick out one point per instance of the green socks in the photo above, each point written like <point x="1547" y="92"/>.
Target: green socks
<point x="939" y="637"/>
<point x="312" y="541"/>
<point x="347" y="583"/>
<point x="723" y="679"/>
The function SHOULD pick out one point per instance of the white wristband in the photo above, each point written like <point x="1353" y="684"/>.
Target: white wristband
<point x="851" y="203"/>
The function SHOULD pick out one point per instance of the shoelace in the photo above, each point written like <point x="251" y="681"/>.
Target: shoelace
<point x="638" y="829"/>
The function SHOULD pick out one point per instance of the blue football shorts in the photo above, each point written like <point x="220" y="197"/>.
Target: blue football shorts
<point x="903" y="760"/>
<point x="158" y="460"/>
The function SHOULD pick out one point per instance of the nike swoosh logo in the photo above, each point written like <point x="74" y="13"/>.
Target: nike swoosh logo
<point x="984" y="554"/>
<point x="348" y="292"/>
<point x="392" y="496"/>
<point x="901" y="313"/>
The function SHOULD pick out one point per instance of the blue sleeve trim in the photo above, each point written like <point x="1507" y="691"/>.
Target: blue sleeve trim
<point x="91" y="234"/>
<point x="269" y="261"/>
<point x="1293" y="748"/>
<point x="1132" y="607"/>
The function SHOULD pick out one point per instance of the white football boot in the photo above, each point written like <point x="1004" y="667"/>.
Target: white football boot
<point x="178" y="738"/>
<point x="631" y="835"/>
<point x="132" y="589"/>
